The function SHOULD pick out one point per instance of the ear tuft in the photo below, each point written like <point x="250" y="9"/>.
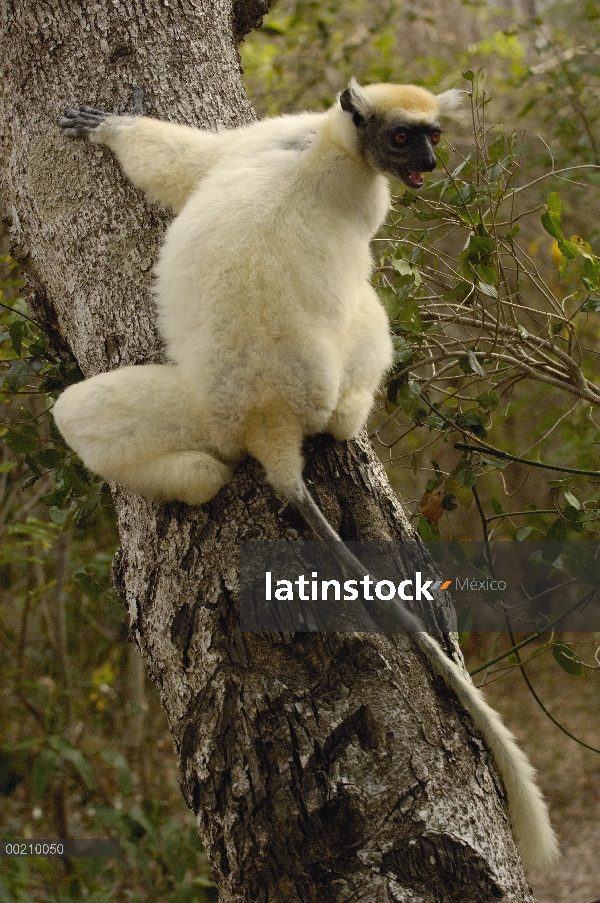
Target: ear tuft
<point x="449" y="100"/>
<point x="354" y="100"/>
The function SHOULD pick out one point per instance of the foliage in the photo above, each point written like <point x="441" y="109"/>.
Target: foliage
<point x="483" y="329"/>
<point x="66" y="762"/>
<point x="491" y="275"/>
<point x="306" y="49"/>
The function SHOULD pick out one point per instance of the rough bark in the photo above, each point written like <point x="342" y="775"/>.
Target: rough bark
<point x="320" y="768"/>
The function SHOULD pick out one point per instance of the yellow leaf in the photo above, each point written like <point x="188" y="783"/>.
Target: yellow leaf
<point x="555" y="252"/>
<point x="581" y="243"/>
<point x="462" y="492"/>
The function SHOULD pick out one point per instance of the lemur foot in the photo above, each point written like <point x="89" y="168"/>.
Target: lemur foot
<point x="79" y="122"/>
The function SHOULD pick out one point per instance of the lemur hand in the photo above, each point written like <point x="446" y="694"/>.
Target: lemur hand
<point x="78" y="122"/>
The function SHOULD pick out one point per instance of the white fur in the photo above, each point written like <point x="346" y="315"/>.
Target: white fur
<point x="528" y="813"/>
<point x="273" y="329"/>
<point x="449" y="100"/>
<point x="264" y="300"/>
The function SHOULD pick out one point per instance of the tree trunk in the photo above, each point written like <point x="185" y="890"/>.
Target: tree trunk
<point x="320" y="767"/>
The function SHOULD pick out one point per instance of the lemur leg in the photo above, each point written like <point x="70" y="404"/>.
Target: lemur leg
<point x="143" y="428"/>
<point x="369" y="355"/>
<point x="274" y="436"/>
<point x="166" y="160"/>
<point x="350" y="414"/>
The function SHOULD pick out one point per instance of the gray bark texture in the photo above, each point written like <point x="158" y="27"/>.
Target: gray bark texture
<point x="320" y="767"/>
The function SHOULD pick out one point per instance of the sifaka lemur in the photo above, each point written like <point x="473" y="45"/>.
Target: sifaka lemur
<point x="272" y="327"/>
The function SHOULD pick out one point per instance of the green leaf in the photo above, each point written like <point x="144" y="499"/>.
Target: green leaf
<point x="496" y="148"/>
<point x="553" y="203"/>
<point x="409" y="315"/>
<point x="490" y="290"/>
<point x="274" y="28"/>
<point x="16" y="331"/>
<point x="402" y="266"/>
<point x="465" y="364"/>
<point x="571" y="499"/>
<point x="31" y="462"/>
<point x="59" y="515"/>
<point x="42" y="772"/>
<point x="402" y="350"/>
<point x="18" y="375"/>
<point x="464" y="265"/>
<point x="460" y="491"/>
<point x="469" y="75"/>
<point x="89" y="506"/>
<point x="408" y="397"/>
<point x="73" y="477"/>
<point x="136" y="815"/>
<point x="86" y="582"/>
<point x="471" y="420"/>
<point x="496" y="506"/>
<point x="591" y="274"/>
<point x="582" y="565"/>
<point x="512" y="233"/>
<point x="523" y="533"/>
<point x="390" y="300"/>
<point x="591" y="305"/>
<point x="557" y="531"/>
<point x="48" y="457"/>
<point x="569" y="249"/>
<point x="77" y="760"/>
<point x="460" y="292"/>
<point x="434" y="422"/>
<point x="481" y="246"/>
<point x="20" y="442"/>
<point x="489" y="400"/>
<point x="571" y="514"/>
<point x="428" y="532"/>
<point x="564" y="655"/>
<point x="553" y="226"/>
<point x="443" y="154"/>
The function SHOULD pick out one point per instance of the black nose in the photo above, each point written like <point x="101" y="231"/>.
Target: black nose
<point x="430" y="164"/>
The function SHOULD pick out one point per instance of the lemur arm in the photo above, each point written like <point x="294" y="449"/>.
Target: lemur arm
<point x="166" y="160"/>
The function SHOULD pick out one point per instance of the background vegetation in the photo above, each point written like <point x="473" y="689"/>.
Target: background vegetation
<point x="491" y="278"/>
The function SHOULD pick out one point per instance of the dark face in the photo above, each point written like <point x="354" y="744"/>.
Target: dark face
<point x="397" y="148"/>
<point x="402" y="150"/>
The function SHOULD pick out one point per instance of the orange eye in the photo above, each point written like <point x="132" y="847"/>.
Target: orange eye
<point x="435" y="137"/>
<point x="400" y="137"/>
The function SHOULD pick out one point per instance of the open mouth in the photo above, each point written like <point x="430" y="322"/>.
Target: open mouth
<point x="412" y="179"/>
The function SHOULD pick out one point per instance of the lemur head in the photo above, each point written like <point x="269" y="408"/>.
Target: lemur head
<point x="397" y="126"/>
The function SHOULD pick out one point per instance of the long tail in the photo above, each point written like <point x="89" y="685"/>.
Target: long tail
<point x="528" y="813"/>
